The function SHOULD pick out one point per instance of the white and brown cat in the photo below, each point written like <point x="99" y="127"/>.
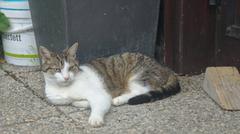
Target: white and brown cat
<point x="131" y="78"/>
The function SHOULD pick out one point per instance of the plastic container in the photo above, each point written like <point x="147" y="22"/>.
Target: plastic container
<point x="19" y="41"/>
<point x="102" y="27"/>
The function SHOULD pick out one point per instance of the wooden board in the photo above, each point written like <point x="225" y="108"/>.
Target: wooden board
<point x="222" y="84"/>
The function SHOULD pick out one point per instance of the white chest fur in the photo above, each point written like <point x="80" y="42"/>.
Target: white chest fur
<point x="66" y="88"/>
<point x="86" y="85"/>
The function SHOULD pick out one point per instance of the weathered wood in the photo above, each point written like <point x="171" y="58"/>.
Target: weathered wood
<point x="189" y="31"/>
<point x="227" y="48"/>
<point x="222" y="84"/>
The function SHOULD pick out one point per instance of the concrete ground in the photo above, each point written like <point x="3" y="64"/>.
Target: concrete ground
<point x="23" y="109"/>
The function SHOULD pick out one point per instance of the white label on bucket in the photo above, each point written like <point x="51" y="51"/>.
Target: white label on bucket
<point x="20" y="46"/>
<point x="20" y="43"/>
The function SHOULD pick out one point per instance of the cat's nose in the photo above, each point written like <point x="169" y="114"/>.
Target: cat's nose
<point x="66" y="78"/>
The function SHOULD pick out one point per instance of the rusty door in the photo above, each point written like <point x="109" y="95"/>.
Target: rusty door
<point x="199" y="34"/>
<point x="189" y="35"/>
<point x="227" y="48"/>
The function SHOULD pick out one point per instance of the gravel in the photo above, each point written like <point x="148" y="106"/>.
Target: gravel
<point x="190" y="111"/>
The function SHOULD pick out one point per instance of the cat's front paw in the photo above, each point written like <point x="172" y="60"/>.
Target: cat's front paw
<point x="95" y="121"/>
<point x="119" y="101"/>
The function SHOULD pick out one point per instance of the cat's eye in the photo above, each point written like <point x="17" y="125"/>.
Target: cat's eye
<point x="72" y="67"/>
<point x="57" y="70"/>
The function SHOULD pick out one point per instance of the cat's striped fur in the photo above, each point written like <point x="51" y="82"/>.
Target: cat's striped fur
<point x="118" y="69"/>
<point x="131" y="78"/>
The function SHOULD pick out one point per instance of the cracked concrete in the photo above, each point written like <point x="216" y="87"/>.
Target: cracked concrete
<point x="55" y="125"/>
<point x="18" y="104"/>
<point x="2" y="73"/>
<point x="18" y="69"/>
<point x="24" y="109"/>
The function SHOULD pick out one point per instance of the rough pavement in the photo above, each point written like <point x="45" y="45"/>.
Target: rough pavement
<point x="23" y="109"/>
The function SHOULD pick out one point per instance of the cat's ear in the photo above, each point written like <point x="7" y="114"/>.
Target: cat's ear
<point x="44" y="53"/>
<point x="73" y="50"/>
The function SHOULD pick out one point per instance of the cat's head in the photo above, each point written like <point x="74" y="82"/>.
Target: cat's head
<point x="60" y="68"/>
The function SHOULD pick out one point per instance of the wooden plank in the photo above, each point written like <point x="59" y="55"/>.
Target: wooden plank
<point x="222" y="84"/>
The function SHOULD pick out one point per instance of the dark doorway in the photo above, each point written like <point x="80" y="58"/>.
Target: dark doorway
<point x="227" y="50"/>
<point x="199" y="34"/>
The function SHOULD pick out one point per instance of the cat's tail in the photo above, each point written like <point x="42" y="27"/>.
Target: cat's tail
<point x="172" y="87"/>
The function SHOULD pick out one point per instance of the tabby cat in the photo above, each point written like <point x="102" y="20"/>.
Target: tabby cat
<point x="131" y="78"/>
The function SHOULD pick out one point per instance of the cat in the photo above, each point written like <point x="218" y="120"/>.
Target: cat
<point x="131" y="78"/>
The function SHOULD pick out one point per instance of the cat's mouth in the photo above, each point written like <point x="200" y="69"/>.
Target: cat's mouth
<point x="65" y="83"/>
